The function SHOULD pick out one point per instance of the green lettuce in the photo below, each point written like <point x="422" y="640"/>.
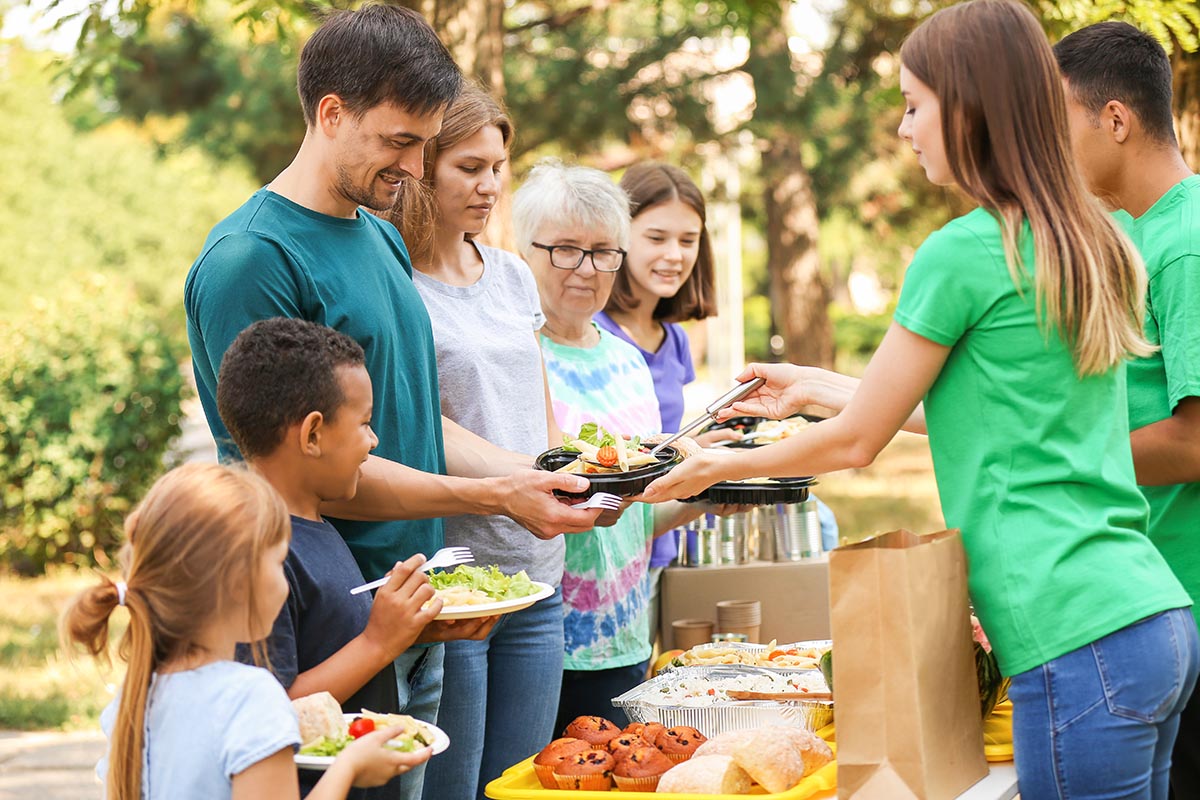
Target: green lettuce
<point x="325" y="746"/>
<point x="489" y="580"/>
<point x="593" y="434"/>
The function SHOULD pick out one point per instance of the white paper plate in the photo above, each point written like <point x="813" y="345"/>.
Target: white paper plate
<point x="321" y="763"/>
<point x="501" y="607"/>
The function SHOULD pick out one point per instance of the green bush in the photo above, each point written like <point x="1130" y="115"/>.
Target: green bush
<point x="90" y="393"/>
<point x="858" y="335"/>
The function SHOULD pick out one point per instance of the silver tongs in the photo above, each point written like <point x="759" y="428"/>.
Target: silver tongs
<point x="710" y="413"/>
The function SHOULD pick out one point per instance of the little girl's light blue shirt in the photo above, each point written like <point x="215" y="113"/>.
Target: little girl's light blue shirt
<point x="205" y="725"/>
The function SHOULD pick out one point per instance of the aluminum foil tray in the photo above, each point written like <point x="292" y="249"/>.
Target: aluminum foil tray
<point x="700" y="649"/>
<point x="723" y="715"/>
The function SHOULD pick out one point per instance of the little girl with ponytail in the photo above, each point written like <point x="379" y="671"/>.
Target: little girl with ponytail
<point x="203" y="570"/>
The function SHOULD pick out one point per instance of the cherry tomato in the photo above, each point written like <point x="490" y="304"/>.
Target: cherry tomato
<point x="361" y="727"/>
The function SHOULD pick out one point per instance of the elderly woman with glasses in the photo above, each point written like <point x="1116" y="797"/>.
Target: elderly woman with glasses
<point x="572" y="225"/>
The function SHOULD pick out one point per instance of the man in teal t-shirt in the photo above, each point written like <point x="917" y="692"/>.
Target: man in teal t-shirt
<point x="1118" y="83"/>
<point x="374" y="85"/>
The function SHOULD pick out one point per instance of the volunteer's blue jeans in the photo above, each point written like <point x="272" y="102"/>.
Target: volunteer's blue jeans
<point x="1100" y="721"/>
<point x="499" y="699"/>
<point x="419" y="681"/>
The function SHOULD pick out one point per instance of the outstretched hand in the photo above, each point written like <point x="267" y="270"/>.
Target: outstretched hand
<point x="688" y="479"/>
<point x="783" y="393"/>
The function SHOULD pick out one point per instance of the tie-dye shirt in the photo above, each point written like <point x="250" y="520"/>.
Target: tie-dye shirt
<point x="604" y="585"/>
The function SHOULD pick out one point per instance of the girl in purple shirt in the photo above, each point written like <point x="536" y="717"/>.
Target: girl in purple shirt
<point x="667" y="278"/>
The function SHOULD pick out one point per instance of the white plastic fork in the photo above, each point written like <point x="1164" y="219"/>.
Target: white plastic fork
<point x="446" y="557"/>
<point x="605" y="500"/>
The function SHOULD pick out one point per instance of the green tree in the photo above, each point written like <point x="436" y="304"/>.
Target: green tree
<point x="103" y="201"/>
<point x="626" y="80"/>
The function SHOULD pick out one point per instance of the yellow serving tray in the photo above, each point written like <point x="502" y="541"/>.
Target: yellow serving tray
<point x="997" y="734"/>
<point x="520" y="783"/>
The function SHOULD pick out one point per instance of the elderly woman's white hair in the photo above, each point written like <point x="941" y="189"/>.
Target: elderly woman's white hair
<point x="569" y="196"/>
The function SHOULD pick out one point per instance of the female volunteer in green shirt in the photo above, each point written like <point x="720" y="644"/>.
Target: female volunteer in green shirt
<point x="1026" y="418"/>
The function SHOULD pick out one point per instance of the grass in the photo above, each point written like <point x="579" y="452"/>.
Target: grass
<point x="897" y="491"/>
<point x="41" y="688"/>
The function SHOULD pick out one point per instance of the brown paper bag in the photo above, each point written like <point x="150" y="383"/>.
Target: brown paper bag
<point x="906" y="698"/>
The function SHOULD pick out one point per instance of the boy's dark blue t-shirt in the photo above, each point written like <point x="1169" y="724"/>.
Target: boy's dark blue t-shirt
<point x="319" y="618"/>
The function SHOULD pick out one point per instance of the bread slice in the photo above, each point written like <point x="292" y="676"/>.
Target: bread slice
<point x="319" y="715"/>
<point x="706" y="775"/>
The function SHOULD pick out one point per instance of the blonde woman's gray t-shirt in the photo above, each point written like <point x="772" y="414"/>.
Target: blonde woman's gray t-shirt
<point x="490" y="378"/>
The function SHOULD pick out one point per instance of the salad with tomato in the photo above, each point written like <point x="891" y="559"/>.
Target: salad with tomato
<point x="414" y="736"/>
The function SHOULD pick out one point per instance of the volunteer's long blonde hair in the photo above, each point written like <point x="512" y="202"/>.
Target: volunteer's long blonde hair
<point x="194" y="541"/>
<point x="1004" y="126"/>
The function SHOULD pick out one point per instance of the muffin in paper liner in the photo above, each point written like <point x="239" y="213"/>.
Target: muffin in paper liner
<point x="590" y="770"/>
<point x="545" y="775"/>
<point x="554" y="754"/>
<point x="599" y="782"/>
<point x="646" y="784"/>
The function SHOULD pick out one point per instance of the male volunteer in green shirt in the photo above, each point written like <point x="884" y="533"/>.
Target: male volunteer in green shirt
<point x="1118" y="83"/>
<point x="373" y="85"/>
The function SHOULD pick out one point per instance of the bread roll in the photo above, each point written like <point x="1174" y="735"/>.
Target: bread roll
<point x="723" y="744"/>
<point x="706" y="775"/>
<point x="761" y="745"/>
<point x="319" y="715"/>
<point x="812" y="748"/>
<point x="771" y="760"/>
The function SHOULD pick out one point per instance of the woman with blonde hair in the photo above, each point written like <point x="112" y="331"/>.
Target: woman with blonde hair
<point x="484" y="307"/>
<point x="203" y="570"/>
<point x="1014" y="323"/>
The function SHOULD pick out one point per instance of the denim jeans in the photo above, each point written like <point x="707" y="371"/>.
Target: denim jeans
<point x="1100" y="721"/>
<point x="419" y="681"/>
<point x="499" y="700"/>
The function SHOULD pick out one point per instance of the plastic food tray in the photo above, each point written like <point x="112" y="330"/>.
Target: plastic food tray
<point x="624" y="484"/>
<point x="749" y="425"/>
<point x="725" y="715"/>
<point x="520" y="783"/>
<point x="776" y="490"/>
<point x="701" y="649"/>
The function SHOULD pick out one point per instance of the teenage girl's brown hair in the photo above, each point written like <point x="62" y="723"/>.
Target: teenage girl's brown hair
<point x="1004" y="127"/>
<point x="651" y="184"/>
<point x="415" y="212"/>
<point x="195" y="541"/>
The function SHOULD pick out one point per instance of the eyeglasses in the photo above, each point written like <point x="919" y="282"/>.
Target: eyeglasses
<point x="565" y="256"/>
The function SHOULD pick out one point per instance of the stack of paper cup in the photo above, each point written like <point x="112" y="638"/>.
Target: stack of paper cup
<point x="740" y="616"/>
<point x="688" y="633"/>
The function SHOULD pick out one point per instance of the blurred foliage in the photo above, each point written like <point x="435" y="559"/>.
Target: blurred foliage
<point x="627" y="80"/>
<point x="96" y="202"/>
<point x="90" y="393"/>
<point x="98" y="233"/>
<point x="1175" y="23"/>
<point x="858" y="335"/>
<point x="192" y="81"/>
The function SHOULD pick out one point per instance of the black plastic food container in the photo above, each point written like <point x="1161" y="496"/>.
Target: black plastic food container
<point x="622" y="484"/>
